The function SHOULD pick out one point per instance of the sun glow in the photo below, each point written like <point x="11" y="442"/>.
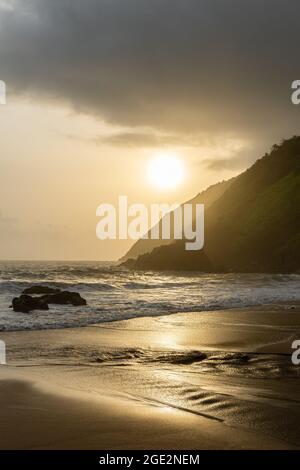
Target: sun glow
<point x="166" y="170"/>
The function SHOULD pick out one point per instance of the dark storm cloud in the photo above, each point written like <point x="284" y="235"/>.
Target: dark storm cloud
<point x="196" y="66"/>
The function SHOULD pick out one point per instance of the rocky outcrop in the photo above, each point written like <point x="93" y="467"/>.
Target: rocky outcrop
<point x="39" y="290"/>
<point x="26" y="303"/>
<point x="64" y="298"/>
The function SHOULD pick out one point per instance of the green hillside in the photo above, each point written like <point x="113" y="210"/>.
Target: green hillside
<point x="252" y="227"/>
<point x="207" y="197"/>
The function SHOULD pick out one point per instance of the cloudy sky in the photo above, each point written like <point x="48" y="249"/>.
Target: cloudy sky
<point x="96" y="88"/>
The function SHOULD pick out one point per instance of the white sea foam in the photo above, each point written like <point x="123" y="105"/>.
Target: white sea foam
<point x="113" y="293"/>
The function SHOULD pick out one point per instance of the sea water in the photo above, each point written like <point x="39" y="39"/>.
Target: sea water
<point x="114" y="293"/>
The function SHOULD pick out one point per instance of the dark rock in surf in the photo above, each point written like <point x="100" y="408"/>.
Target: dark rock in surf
<point x="26" y="304"/>
<point x="64" y="298"/>
<point x="39" y="290"/>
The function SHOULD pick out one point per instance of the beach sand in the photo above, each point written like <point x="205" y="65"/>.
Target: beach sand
<point x="197" y="380"/>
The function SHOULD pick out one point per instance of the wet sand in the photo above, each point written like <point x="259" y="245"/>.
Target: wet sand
<point x="203" y="380"/>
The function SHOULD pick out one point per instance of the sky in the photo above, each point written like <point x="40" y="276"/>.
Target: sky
<point x="96" y="89"/>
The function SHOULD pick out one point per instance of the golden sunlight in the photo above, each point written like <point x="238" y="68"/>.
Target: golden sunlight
<point x="166" y="170"/>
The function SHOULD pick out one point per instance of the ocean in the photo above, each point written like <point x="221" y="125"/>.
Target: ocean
<point x="114" y="293"/>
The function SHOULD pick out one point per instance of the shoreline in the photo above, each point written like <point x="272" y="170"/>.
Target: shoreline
<point x="176" y="381"/>
<point x="284" y="304"/>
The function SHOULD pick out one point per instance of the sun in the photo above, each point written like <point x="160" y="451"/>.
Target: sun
<point x="166" y="170"/>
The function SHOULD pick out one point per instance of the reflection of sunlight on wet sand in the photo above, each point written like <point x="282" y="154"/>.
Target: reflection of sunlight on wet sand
<point x="168" y="339"/>
<point x="168" y="409"/>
